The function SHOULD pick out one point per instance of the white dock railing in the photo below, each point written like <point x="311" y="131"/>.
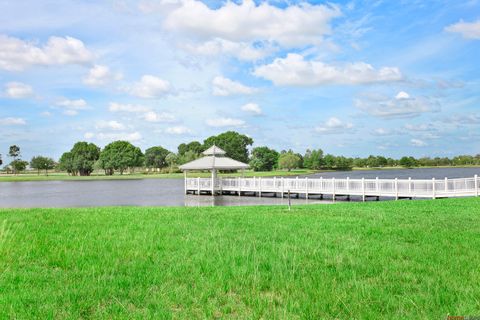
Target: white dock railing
<point x="397" y="188"/>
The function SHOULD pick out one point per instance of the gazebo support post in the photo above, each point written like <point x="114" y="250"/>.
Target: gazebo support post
<point x="214" y="177"/>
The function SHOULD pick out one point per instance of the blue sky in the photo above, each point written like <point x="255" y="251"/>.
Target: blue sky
<point x="353" y="78"/>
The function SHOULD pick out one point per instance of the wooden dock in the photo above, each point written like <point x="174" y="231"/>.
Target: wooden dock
<point x="334" y="188"/>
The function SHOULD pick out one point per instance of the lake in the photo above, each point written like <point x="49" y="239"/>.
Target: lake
<point x="170" y="192"/>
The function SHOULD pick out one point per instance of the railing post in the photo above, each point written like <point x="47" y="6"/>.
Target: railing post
<point x="396" y="188"/>
<point x="410" y="185"/>
<point x="296" y="183"/>
<point x="363" y="189"/>
<point x="185" y="180"/>
<point x="239" y="186"/>
<point x="348" y="186"/>
<point x="275" y="185"/>
<point x="260" y="186"/>
<point x="476" y="185"/>
<point x="446" y="185"/>
<point x="198" y="186"/>
<point x="283" y="186"/>
<point x="433" y="188"/>
<point x="306" y="187"/>
<point x="377" y="191"/>
<point x="333" y="191"/>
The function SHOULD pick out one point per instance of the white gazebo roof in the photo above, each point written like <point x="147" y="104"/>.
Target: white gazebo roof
<point x="214" y="150"/>
<point x="211" y="162"/>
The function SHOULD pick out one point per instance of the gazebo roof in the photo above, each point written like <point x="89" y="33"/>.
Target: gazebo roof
<point x="214" y="150"/>
<point x="212" y="162"/>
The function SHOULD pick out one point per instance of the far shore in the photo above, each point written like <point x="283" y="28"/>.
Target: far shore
<point x="63" y="176"/>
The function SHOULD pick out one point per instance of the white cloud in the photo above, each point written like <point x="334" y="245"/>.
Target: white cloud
<point x="113" y="136"/>
<point x="150" y="87"/>
<point x="71" y="107"/>
<point x="152" y="116"/>
<point x="226" y="87"/>
<point x="402" y="95"/>
<point x="110" y="125"/>
<point x="418" y="143"/>
<point x="468" y="30"/>
<point x="132" y="108"/>
<point x="292" y="26"/>
<point x="225" y="122"/>
<point x="12" y="122"/>
<point x="178" y="130"/>
<point x="100" y="75"/>
<point x="18" y="90"/>
<point x="252" y="108"/>
<point x="333" y="126"/>
<point x="385" y="107"/>
<point x="294" y="70"/>
<point x="240" y="50"/>
<point x="17" y="54"/>
<point x="382" y="132"/>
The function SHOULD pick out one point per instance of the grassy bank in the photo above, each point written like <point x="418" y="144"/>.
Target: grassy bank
<point x="389" y="260"/>
<point x="97" y="176"/>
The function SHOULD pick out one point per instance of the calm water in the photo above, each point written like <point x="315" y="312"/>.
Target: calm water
<point x="169" y="192"/>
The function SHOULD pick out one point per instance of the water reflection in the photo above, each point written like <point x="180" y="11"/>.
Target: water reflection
<point x="209" y="201"/>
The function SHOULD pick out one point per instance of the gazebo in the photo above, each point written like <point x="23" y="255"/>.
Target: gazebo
<point x="214" y="159"/>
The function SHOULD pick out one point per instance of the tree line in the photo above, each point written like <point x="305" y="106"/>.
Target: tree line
<point x="122" y="156"/>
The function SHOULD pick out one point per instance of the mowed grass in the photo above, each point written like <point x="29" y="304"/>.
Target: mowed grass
<point x="389" y="260"/>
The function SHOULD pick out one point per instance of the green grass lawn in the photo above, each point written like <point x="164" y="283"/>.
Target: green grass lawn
<point x="388" y="260"/>
<point x="97" y="176"/>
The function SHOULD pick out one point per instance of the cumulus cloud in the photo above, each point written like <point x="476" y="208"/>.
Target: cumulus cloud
<point x="17" y="54"/>
<point x="252" y="108"/>
<point x="468" y="30"/>
<point x="150" y="87"/>
<point x="12" y="122"/>
<point x="132" y="108"/>
<point x="110" y="125"/>
<point x="18" y="90"/>
<point x="112" y="136"/>
<point x="226" y="87"/>
<point x="240" y="50"/>
<point x="334" y="125"/>
<point x="294" y="70"/>
<point x="71" y="107"/>
<point x="100" y="75"/>
<point x="152" y="116"/>
<point x="179" y="130"/>
<point x="291" y="26"/>
<point x="403" y="107"/>
<point x="418" y="143"/>
<point x="225" y="122"/>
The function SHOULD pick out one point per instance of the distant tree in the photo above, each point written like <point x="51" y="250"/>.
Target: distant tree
<point x="194" y="146"/>
<point x="408" y="162"/>
<point x="42" y="163"/>
<point x="155" y="157"/>
<point x="330" y="161"/>
<point x="171" y="160"/>
<point x="187" y="157"/>
<point x="120" y="155"/>
<point x="289" y="161"/>
<point x="84" y="155"/>
<point x="234" y="144"/>
<point x="14" y="152"/>
<point x="18" y="165"/>
<point x="66" y="163"/>
<point x="313" y="159"/>
<point x="343" y="163"/>
<point x="263" y="159"/>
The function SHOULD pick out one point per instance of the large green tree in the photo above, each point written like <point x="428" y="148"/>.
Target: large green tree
<point x="313" y="159"/>
<point x="18" y="165"/>
<point x="42" y="163"/>
<point x="83" y="157"/>
<point x="289" y="160"/>
<point x="234" y="144"/>
<point x="66" y="163"/>
<point x="155" y="157"/>
<point x="120" y="155"/>
<point x="263" y="159"/>
<point x="14" y="152"/>
<point x="172" y="160"/>
<point x="194" y="146"/>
